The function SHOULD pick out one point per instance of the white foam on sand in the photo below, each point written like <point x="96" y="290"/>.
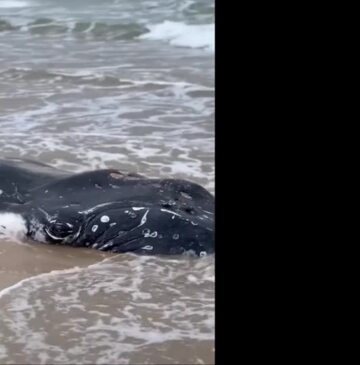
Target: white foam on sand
<point x="111" y="302"/>
<point x="183" y="35"/>
<point x="50" y="274"/>
<point x="19" y="284"/>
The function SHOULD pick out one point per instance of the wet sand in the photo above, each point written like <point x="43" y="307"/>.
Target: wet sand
<point x="19" y="261"/>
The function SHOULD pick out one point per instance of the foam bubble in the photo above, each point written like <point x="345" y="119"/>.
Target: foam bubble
<point x="19" y="284"/>
<point x="12" y="226"/>
<point x="183" y="35"/>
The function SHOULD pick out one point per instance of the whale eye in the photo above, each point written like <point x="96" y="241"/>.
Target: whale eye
<point x="59" y="230"/>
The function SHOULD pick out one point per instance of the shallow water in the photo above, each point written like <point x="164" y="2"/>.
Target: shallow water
<point x="63" y="305"/>
<point x="93" y="84"/>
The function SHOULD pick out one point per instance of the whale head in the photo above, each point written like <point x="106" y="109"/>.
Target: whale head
<point x="181" y="223"/>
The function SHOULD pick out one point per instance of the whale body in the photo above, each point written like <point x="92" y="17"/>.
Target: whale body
<point x="107" y="209"/>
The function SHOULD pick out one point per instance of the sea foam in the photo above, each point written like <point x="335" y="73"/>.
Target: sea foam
<point x="184" y="35"/>
<point x="12" y="226"/>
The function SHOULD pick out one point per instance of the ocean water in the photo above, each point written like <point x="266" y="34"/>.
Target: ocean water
<point x="90" y="84"/>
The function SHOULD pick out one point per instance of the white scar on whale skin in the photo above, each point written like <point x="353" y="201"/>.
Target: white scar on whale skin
<point x="143" y="219"/>
<point x="170" y="211"/>
<point x="12" y="226"/>
<point x="94" y="208"/>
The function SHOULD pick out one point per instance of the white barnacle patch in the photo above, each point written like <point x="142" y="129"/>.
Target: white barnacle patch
<point x="148" y="248"/>
<point x="94" y="227"/>
<point x="112" y="224"/>
<point x="137" y="208"/>
<point x="147" y="233"/>
<point x="194" y="224"/>
<point x="176" y="236"/>
<point x="203" y="254"/>
<point x="104" y="219"/>
<point x="1" y="192"/>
